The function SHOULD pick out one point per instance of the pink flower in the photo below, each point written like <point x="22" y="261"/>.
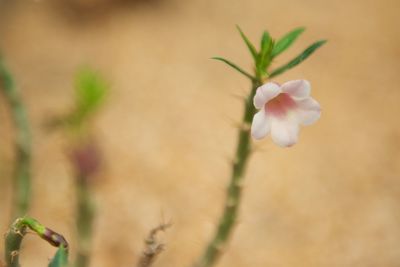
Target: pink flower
<point x="282" y="108"/>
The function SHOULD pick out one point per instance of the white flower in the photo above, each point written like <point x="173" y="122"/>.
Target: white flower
<point x="282" y="108"/>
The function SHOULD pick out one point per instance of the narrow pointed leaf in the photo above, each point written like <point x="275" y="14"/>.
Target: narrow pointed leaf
<point x="297" y="60"/>
<point x="60" y="258"/>
<point x="250" y="46"/>
<point x="264" y="59"/>
<point x="286" y="41"/>
<point x="267" y="54"/>
<point x="235" y="67"/>
<point x="265" y="42"/>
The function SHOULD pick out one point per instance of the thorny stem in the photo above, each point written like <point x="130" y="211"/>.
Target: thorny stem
<point x="233" y="197"/>
<point x="85" y="161"/>
<point x="84" y="222"/>
<point x="16" y="233"/>
<point x="22" y="179"/>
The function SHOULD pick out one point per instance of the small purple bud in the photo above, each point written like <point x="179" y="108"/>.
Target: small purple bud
<point x="54" y="238"/>
<point x="86" y="159"/>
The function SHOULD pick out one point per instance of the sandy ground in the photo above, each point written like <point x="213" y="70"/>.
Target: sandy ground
<point x="167" y="129"/>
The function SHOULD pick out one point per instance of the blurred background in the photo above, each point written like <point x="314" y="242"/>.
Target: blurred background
<point x="167" y="130"/>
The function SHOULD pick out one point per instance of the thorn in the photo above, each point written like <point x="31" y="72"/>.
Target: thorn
<point x="6" y="233"/>
<point x="258" y="148"/>
<point x="231" y="121"/>
<point x="18" y="232"/>
<point x="228" y="159"/>
<point x="219" y="246"/>
<point x="231" y="202"/>
<point x="246" y="126"/>
<point x="245" y="90"/>
<point x="243" y="126"/>
<point x="235" y="161"/>
<point x="239" y="97"/>
<point x="239" y="183"/>
<point x="14" y="254"/>
<point x="239" y="125"/>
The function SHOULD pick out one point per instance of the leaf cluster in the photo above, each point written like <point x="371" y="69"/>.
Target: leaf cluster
<point x="90" y="90"/>
<point x="269" y="50"/>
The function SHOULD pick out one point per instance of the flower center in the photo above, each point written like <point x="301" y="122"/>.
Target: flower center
<point x="280" y="105"/>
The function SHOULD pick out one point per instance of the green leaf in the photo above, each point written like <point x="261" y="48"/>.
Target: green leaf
<point x="297" y="60"/>
<point x="286" y="41"/>
<point x="265" y="43"/>
<point x="264" y="58"/>
<point x="265" y="40"/>
<point x="235" y="67"/>
<point x="91" y="90"/>
<point x="60" y="258"/>
<point x="250" y="46"/>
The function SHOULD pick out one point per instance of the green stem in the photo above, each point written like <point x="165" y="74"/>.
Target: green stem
<point x="16" y="233"/>
<point x="84" y="223"/>
<point x="22" y="179"/>
<point x="233" y="197"/>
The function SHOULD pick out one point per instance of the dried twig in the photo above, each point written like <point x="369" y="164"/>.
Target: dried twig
<point x="153" y="246"/>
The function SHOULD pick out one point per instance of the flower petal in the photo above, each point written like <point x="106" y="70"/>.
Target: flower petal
<point x="265" y="93"/>
<point x="297" y="88"/>
<point x="284" y="131"/>
<point x="261" y="125"/>
<point x="308" y="111"/>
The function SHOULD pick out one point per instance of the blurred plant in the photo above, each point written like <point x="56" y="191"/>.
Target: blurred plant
<point x="263" y="58"/>
<point x="22" y="183"/>
<point x="84" y="154"/>
<point x="90" y="92"/>
<point x="19" y="229"/>
<point x="22" y="170"/>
